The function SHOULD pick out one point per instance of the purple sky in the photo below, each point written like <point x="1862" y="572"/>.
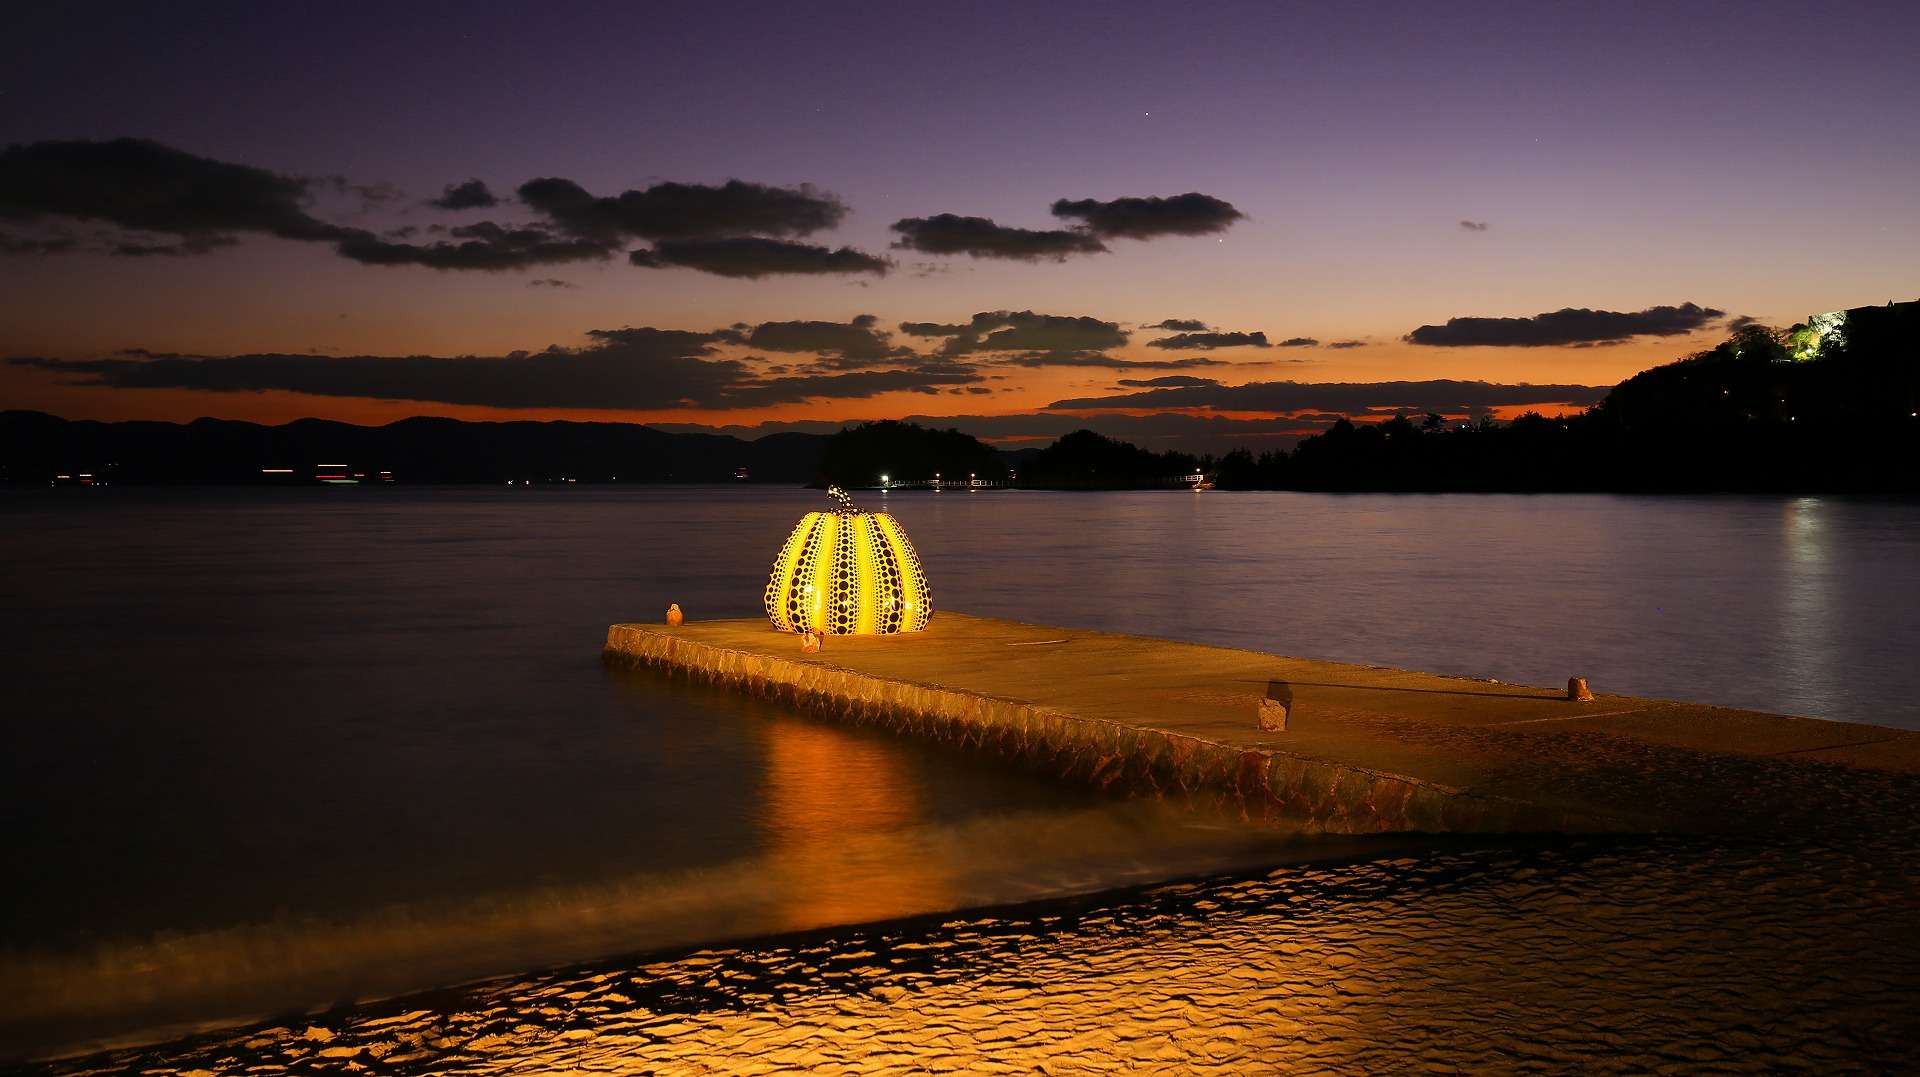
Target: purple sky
<point x="1756" y="159"/>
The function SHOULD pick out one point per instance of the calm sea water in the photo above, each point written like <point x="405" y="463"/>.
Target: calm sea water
<point x="265" y="750"/>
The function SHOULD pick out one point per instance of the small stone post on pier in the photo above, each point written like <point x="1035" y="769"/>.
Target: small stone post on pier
<point x="1275" y="706"/>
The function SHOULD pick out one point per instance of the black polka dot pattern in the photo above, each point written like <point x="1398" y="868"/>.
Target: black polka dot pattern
<point x="848" y="572"/>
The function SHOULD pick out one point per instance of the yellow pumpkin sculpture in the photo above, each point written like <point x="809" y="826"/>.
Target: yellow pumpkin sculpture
<point x="845" y="572"/>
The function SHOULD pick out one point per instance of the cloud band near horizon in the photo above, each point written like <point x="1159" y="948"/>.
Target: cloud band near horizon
<point x="1567" y="327"/>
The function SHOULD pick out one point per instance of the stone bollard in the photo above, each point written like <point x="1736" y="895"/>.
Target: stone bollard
<point x="1274" y="707"/>
<point x="674" y="617"/>
<point x="1577" y="690"/>
<point x="810" y="643"/>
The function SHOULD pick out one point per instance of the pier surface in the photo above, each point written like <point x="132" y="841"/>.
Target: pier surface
<point x="1365" y="749"/>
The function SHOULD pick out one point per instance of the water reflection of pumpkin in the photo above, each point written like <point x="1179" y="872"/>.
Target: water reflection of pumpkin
<point x="844" y="828"/>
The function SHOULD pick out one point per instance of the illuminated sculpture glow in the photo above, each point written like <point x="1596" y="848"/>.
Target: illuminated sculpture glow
<point x="846" y="572"/>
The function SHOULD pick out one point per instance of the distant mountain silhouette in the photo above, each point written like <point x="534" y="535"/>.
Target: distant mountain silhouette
<point x="37" y="448"/>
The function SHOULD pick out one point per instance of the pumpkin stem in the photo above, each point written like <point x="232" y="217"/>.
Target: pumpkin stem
<point x="844" y="499"/>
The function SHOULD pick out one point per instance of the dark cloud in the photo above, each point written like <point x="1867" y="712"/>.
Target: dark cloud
<point x="1192" y="433"/>
<point x="852" y="385"/>
<point x="632" y="368"/>
<point x="1181" y="325"/>
<point x="202" y="204"/>
<point x="844" y="344"/>
<point x="551" y="282"/>
<point x="1349" y="398"/>
<point x="121" y="244"/>
<point x="472" y="194"/>
<point x="144" y="186"/>
<point x="753" y="257"/>
<point x="1345" y="344"/>
<point x="1204" y="341"/>
<point x="1298" y="342"/>
<point x="1572" y="325"/>
<point x="607" y="375"/>
<point x="369" y="195"/>
<point x="1475" y="226"/>
<point x="481" y="246"/>
<point x="184" y="247"/>
<point x="1190" y="214"/>
<point x="647" y="341"/>
<point x="684" y="210"/>
<point x="47" y="244"/>
<point x="173" y="203"/>
<point x="1169" y="381"/>
<point x="1022" y="331"/>
<point x="1741" y="322"/>
<point x="933" y="329"/>
<point x="1097" y="359"/>
<point x="980" y="237"/>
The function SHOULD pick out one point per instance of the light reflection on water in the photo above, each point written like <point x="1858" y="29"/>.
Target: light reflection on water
<point x="1813" y="618"/>
<point x="824" y="794"/>
<point x="274" y="749"/>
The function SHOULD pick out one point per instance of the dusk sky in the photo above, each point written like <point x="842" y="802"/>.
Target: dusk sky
<point x="978" y="212"/>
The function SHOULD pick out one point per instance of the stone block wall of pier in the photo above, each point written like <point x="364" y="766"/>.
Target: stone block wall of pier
<point x="1256" y="786"/>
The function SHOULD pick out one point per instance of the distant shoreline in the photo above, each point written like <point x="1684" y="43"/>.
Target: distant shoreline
<point x="709" y="485"/>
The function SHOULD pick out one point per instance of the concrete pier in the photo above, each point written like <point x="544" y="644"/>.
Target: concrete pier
<point x="1292" y="742"/>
